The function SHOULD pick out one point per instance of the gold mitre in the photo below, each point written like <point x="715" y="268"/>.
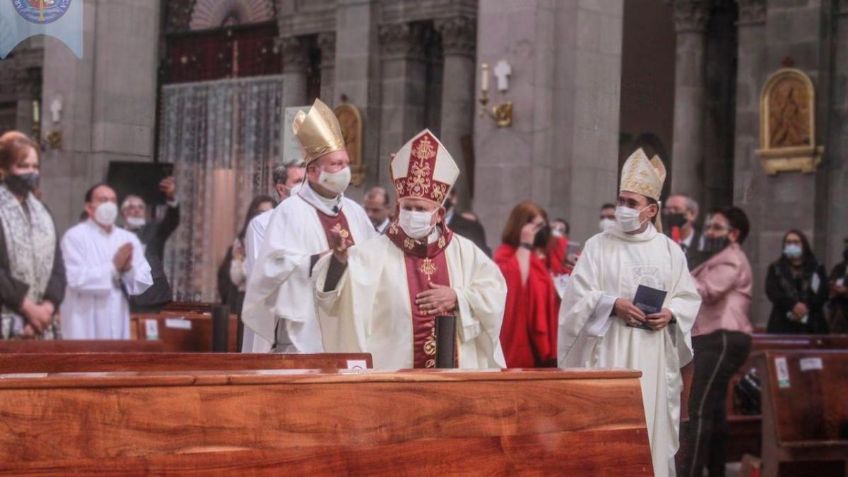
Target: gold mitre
<point x="643" y="176"/>
<point x="318" y="132"/>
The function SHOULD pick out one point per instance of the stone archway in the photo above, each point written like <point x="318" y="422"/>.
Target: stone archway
<point x="208" y="14"/>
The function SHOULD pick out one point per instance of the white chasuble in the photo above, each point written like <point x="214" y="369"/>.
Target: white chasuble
<point x="370" y="310"/>
<point x="279" y="305"/>
<point x="612" y="265"/>
<point x="96" y="305"/>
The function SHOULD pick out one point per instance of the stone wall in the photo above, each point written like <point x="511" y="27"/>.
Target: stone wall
<point x="562" y="149"/>
<point x="108" y="100"/>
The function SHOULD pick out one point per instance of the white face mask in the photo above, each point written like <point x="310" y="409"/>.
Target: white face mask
<point x="135" y="222"/>
<point x="628" y="218"/>
<point x="106" y="213"/>
<point x="336" y="182"/>
<point x="416" y="225"/>
<point x="606" y="224"/>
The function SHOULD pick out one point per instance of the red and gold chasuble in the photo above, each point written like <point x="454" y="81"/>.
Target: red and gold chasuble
<point x="425" y="264"/>
<point x="337" y="223"/>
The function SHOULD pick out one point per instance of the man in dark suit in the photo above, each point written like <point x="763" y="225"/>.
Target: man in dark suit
<point x="680" y="216"/>
<point x="464" y="225"/>
<point x="153" y="236"/>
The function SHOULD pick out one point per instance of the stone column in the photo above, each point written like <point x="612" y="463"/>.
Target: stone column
<point x="295" y="60"/>
<point x="356" y="69"/>
<point x="459" y="35"/>
<point x="403" y="89"/>
<point x="690" y="20"/>
<point x="327" y="44"/>
<point x="748" y="174"/>
<point x="562" y="148"/>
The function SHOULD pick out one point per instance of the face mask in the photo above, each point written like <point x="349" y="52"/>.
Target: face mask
<point x="106" y="213"/>
<point x="135" y="222"/>
<point x="22" y="184"/>
<point x="606" y="224"/>
<point x="628" y="218"/>
<point x="416" y="225"/>
<point x="713" y="245"/>
<point x="793" y="251"/>
<point x="336" y="182"/>
<point x="543" y="236"/>
<point x="675" y="220"/>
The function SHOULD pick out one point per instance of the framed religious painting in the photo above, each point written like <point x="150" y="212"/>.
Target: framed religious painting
<point x="788" y="123"/>
<point x="351" y="123"/>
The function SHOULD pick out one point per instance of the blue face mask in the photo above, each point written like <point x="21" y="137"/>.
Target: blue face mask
<point x="793" y="251"/>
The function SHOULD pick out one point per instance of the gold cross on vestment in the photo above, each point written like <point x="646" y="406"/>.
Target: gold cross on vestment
<point x="428" y="267"/>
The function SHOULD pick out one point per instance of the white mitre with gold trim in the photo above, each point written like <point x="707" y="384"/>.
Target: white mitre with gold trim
<point x="643" y="176"/>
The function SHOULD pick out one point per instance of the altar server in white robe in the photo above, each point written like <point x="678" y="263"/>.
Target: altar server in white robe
<point x="382" y="296"/>
<point x="279" y="305"/>
<point x="104" y="265"/>
<point x="600" y="327"/>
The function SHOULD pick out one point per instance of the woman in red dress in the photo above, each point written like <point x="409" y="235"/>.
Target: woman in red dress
<point x="527" y="258"/>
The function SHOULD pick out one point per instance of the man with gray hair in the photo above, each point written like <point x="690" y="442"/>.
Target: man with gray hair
<point x="681" y="213"/>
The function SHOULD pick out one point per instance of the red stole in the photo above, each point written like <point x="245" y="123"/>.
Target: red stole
<point x="337" y="223"/>
<point x="425" y="264"/>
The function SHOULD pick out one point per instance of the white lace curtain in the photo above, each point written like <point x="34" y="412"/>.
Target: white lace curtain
<point x="224" y="138"/>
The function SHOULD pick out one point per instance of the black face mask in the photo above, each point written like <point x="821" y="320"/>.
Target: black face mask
<point x="22" y="184"/>
<point x="675" y="220"/>
<point x="543" y="236"/>
<point x="714" y="245"/>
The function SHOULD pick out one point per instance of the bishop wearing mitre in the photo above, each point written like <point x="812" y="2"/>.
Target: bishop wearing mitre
<point x="383" y="296"/>
<point x="279" y="309"/>
<point x="600" y="326"/>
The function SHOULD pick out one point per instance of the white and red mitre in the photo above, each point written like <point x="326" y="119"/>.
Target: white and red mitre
<point x="424" y="169"/>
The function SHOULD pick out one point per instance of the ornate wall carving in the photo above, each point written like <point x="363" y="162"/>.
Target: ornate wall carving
<point x="459" y="35"/>
<point x="691" y="15"/>
<point x="208" y="14"/>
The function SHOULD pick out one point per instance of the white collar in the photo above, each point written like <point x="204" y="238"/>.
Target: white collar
<point x="687" y="242"/>
<point x="327" y="206"/>
<point x="382" y="227"/>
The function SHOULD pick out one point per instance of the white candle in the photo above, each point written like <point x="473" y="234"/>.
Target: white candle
<point x="484" y="77"/>
<point x="36" y="111"/>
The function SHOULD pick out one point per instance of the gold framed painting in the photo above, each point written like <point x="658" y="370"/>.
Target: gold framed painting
<point x="788" y="123"/>
<point x="351" y="123"/>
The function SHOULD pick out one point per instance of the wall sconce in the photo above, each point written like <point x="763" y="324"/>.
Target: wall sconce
<point x="501" y="113"/>
<point x="54" y="137"/>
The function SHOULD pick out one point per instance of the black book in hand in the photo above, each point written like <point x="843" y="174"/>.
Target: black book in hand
<point x="650" y="301"/>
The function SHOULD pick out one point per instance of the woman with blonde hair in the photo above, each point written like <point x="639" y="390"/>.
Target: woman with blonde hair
<point x="32" y="273"/>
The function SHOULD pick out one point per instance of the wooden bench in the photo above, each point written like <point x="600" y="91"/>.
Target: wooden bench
<point x="745" y="430"/>
<point x="537" y="422"/>
<point x="183" y="331"/>
<point x="146" y="362"/>
<point x="81" y="346"/>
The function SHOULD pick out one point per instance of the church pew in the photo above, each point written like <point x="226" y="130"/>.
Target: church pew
<point x="81" y="346"/>
<point x="188" y="307"/>
<point x="745" y="430"/>
<point x="537" y="422"/>
<point x="105" y="362"/>
<point x="183" y="332"/>
<point x="805" y="413"/>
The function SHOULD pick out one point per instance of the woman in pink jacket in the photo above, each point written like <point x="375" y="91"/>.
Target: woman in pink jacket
<point x="721" y="338"/>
